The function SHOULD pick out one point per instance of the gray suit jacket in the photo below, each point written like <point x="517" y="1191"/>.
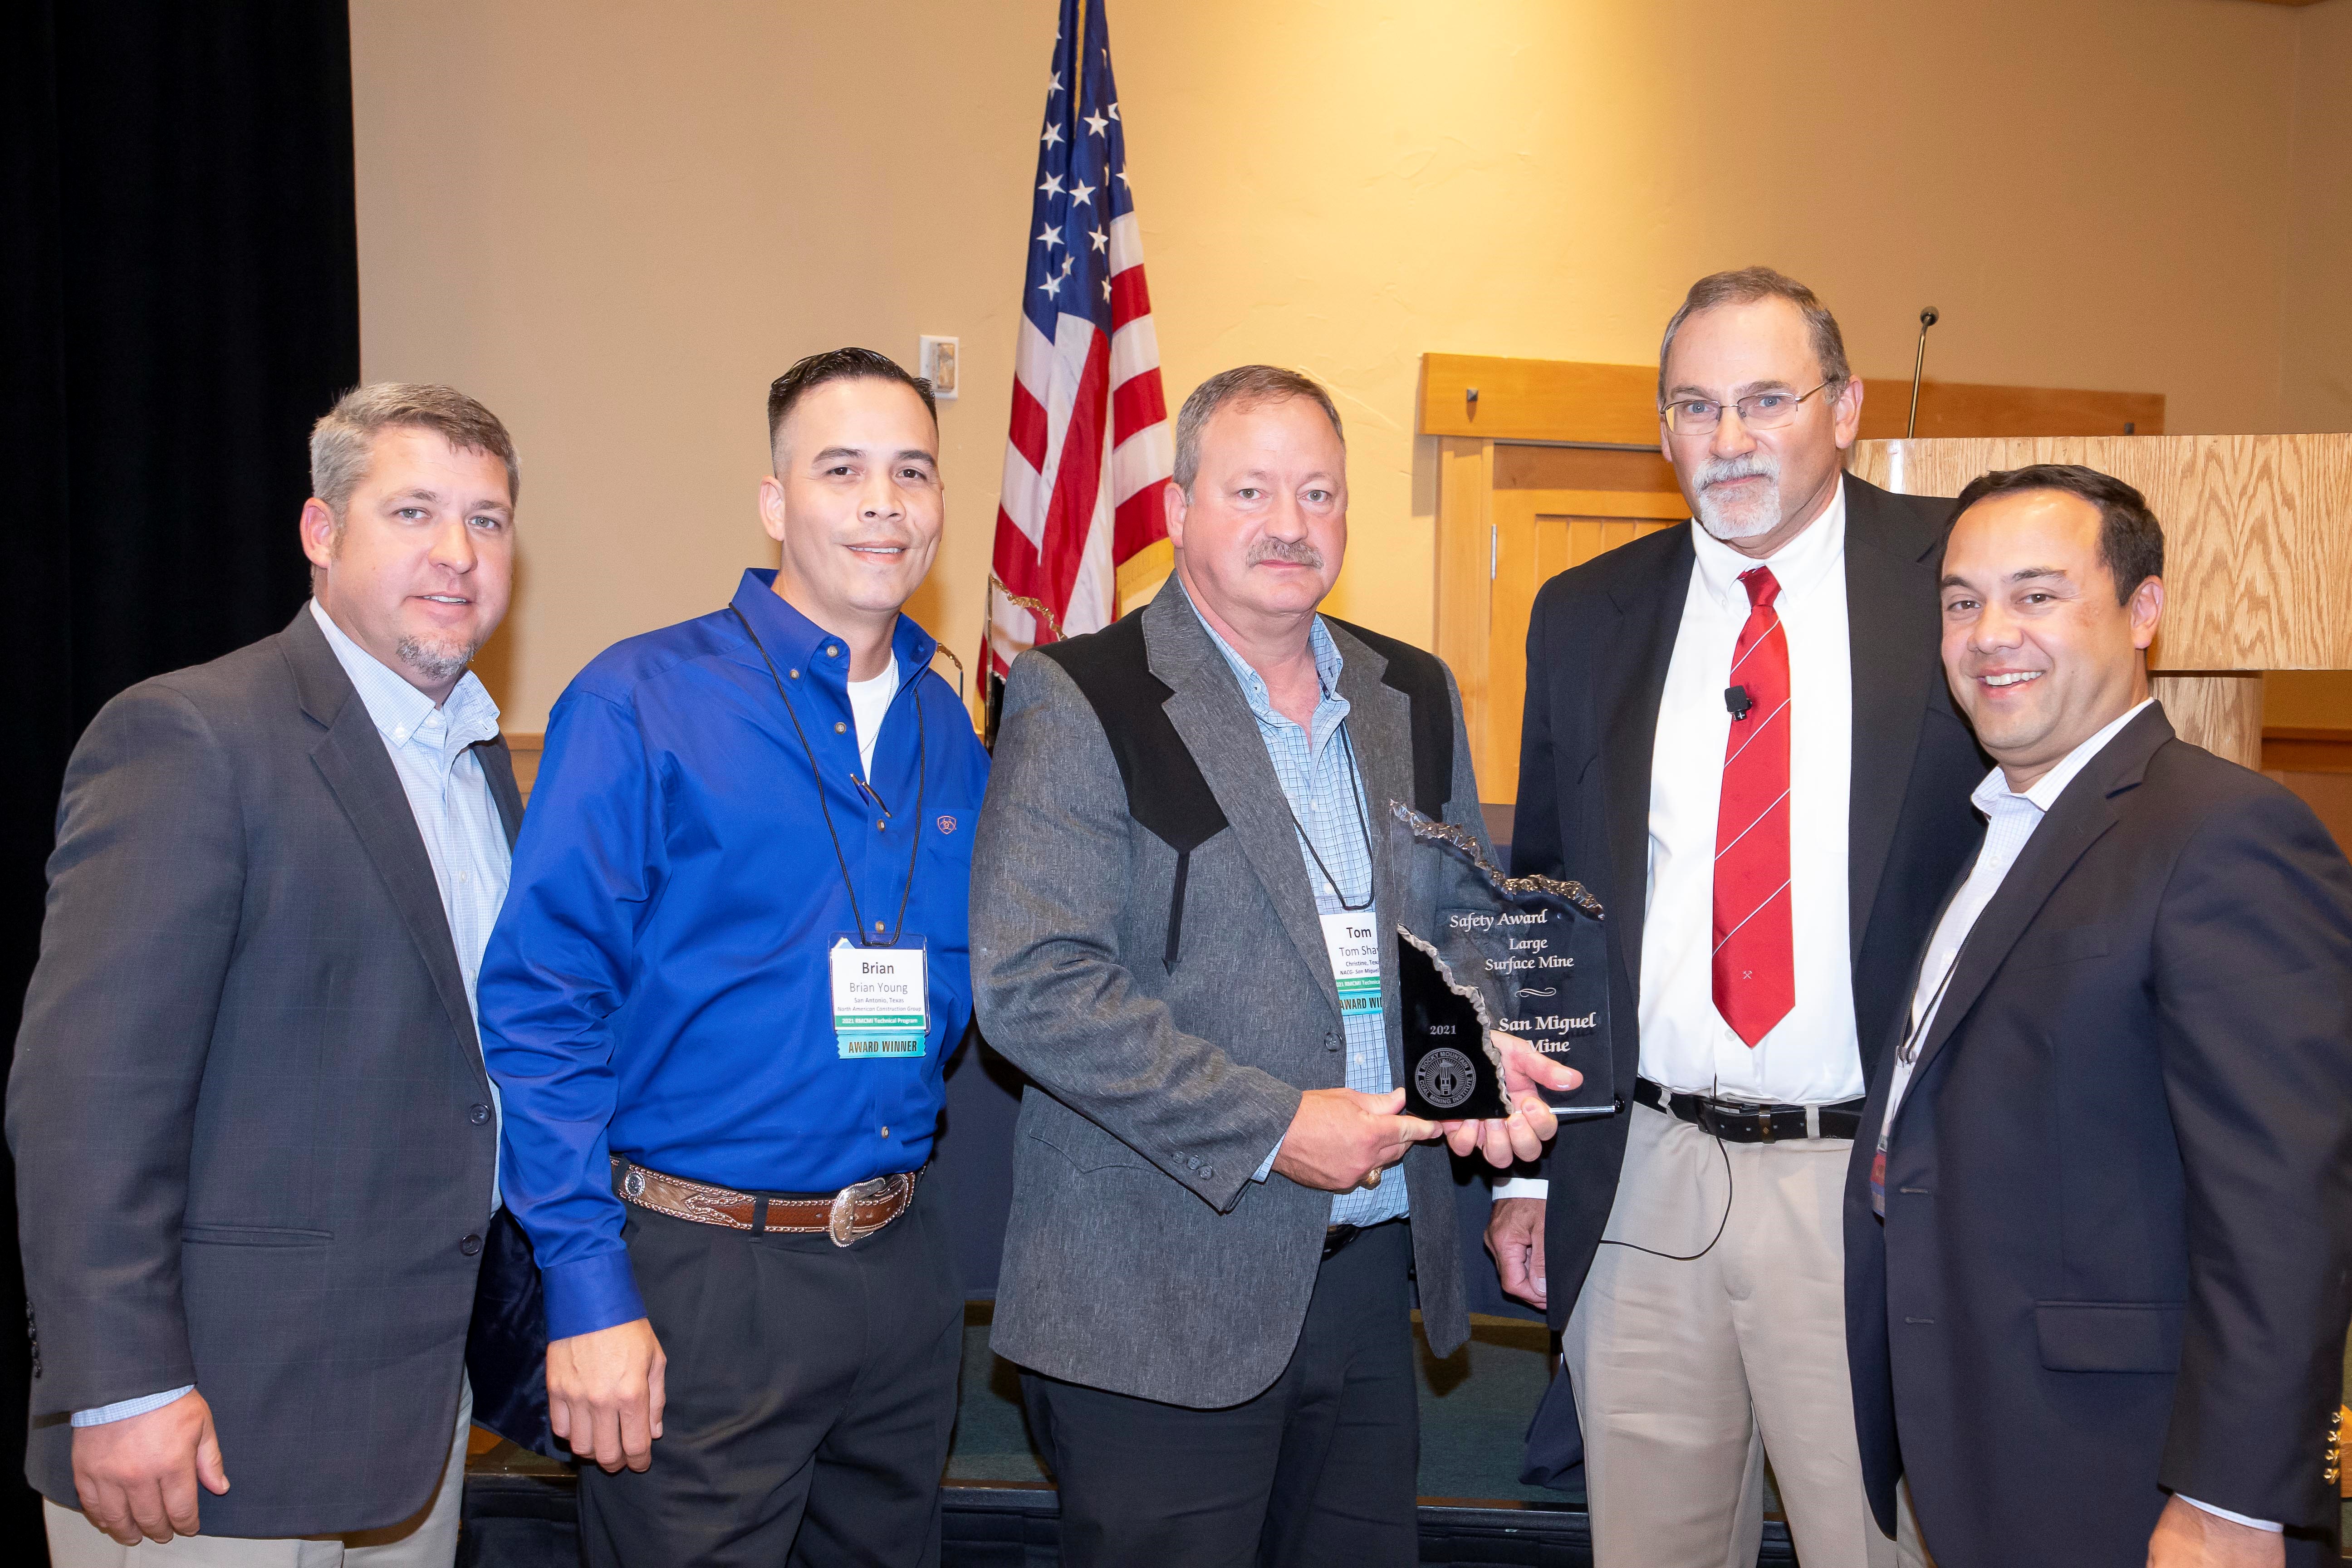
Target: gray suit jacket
<point x="1138" y="1256"/>
<point x="252" y="1139"/>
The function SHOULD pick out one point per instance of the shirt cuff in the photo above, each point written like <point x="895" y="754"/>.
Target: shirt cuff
<point x="124" y="1409"/>
<point x="1266" y="1166"/>
<point x="2233" y="1518"/>
<point x="1522" y="1187"/>
<point x="598" y="1292"/>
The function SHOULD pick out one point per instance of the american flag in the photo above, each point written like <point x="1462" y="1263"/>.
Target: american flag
<point x="1079" y="527"/>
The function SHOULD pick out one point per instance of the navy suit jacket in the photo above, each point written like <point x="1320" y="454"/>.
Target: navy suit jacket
<point x="2117" y="1253"/>
<point x="1598" y="646"/>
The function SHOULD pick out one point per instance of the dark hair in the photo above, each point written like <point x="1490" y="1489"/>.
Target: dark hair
<point x="839" y="364"/>
<point x="2131" y="542"/>
<point x="1744" y="287"/>
<point x="1248" y="385"/>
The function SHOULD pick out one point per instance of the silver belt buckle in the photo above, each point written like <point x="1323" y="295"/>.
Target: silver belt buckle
<point x="842" y="1222"/>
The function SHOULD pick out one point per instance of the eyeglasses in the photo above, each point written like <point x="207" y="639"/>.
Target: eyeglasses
<point x="1757" y="411"/>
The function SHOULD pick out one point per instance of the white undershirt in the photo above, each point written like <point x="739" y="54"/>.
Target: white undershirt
<point x="868" y="700"/>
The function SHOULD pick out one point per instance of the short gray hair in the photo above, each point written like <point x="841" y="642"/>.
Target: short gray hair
<point x="344" y="440"/>
<point x="1248" y="385"/>
<point x="1744" y="287"/>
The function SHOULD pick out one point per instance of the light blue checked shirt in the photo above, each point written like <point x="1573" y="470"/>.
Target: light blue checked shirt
<point x="431" y="750"/>
<point x="1320" y="778"/>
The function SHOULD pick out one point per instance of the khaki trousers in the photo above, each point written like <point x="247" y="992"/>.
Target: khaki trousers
<point x="1686" y="1374"/>
<point x="426" y="1540"/>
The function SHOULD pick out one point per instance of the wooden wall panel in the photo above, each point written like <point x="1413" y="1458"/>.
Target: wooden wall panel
<point x="2222" y="713"/>
<point x="1566" y="400"/>
<point x="2258" y="533"/>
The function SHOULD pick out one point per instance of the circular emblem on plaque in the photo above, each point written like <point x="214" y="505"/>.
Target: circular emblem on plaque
<point x="1446" y="1078"/>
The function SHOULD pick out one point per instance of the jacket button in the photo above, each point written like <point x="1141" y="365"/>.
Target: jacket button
<point x="477" y="1114"/>
<point x="470" y="1246"/>
<point x="1207" y="1171"/>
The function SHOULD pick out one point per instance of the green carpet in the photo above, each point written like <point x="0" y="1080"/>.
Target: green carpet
<point x="1474" y="1405"/>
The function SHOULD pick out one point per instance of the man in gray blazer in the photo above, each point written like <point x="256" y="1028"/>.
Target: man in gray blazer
<point x="1206" y="1265"/>
<point x="255" y="1149"/>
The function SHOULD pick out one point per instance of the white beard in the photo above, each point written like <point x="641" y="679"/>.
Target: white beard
<point x="1755" y="513"/>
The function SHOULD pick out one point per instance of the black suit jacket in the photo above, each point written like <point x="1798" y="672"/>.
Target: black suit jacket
<point x="252" y="1130"/>
<point x="1598" y="646"/>
<point x="2117" y="1255"/>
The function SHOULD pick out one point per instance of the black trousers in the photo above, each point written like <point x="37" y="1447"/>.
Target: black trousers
<point x="812" y="1390"/>
<point x="1319" y="1470"/>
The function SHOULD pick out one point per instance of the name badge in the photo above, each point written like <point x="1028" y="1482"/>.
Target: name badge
<point x="1351" y="938"/>
<point x="881" y="999"/>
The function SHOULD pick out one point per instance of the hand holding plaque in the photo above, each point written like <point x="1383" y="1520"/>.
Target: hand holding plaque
<point x="1521" y="954"/>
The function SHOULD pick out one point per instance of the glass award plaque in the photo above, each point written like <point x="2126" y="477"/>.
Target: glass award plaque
<point x="1524" y="955"/>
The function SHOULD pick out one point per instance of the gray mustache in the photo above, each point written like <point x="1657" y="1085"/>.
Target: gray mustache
<point x="1301" y="553"/>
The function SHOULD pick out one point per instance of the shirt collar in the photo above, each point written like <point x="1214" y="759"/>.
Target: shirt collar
<point x="1329" y="661"/>
<point x="2043" y="792"/>
<point x="792" y="638"/>
<point x="398" y="709"/>
<point x="1798" y="565"/>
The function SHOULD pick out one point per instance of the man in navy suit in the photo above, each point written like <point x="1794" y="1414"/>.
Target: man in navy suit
<point x="2099" y="1220"/>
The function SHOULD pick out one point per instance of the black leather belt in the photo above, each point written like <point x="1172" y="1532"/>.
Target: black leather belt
<point x="1338" y="1237"/>
<point x="1744" y="1122"/>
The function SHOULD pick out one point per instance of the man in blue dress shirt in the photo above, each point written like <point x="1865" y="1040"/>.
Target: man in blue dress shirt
<point x="730" y="968"/>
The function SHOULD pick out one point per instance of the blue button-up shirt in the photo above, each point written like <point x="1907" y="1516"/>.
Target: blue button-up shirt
<point x="659" y="984"/>
<point x="1317" y="770"/>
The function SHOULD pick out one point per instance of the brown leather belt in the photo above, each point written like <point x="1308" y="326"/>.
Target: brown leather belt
<point x="850" y="1214"/>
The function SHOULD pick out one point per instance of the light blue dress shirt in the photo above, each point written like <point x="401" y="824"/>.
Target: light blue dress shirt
<point x="431" y="749"/>
<point x="1316" y="767"/>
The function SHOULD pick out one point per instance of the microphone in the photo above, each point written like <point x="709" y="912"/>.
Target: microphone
<point x="1736" y="698"/>
<point x="1928" y="317"/>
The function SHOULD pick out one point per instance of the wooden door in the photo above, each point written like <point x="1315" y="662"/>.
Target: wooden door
<point x="1538" y="534"/>
<point x="1528" y="513"/>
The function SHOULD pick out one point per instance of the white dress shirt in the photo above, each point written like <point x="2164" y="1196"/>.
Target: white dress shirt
<point x="2011" y="817"/>
<point x="1812" y="1056"/>
<point x="431" y="747"/>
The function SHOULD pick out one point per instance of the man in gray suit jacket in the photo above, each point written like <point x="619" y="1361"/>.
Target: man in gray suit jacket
<point x="255" y="1148"/>
<point x="1183" y="917"/>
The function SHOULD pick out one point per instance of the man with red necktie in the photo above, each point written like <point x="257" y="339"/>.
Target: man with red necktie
<point x="1739" y="736"/>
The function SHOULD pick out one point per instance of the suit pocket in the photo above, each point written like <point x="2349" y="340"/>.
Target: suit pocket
<point x="253" y="1236"/>
<point x="2070" y="944"/>
<point x="2109" y="1336"/>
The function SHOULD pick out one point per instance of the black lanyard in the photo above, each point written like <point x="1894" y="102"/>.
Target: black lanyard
<point x="1356" y="794"/>
<point x="816" y="777"/>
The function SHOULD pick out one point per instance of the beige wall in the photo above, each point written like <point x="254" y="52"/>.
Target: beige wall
<point x="614" y="222"/>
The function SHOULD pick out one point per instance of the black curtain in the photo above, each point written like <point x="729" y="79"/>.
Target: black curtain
<point x="179" y="284"/>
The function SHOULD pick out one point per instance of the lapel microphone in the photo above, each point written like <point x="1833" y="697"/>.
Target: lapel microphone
<point x="1736" y="698"/>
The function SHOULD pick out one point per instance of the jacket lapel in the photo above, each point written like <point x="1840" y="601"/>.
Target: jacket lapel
<point x="497" y="767"/>
<point x="1379" y="725"/>
<point x="2081" y="815"/>
<point x="1217" y="727"/>
<point x="1633" y="671"/>
<point x="352" y="759"/>
<point x="1890" y="595"/>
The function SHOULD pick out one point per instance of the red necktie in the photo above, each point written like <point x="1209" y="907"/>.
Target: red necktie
<point x="1755" y="954"/>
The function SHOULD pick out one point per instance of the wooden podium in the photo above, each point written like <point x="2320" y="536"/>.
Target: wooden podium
<point x="2257" y="555"/>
